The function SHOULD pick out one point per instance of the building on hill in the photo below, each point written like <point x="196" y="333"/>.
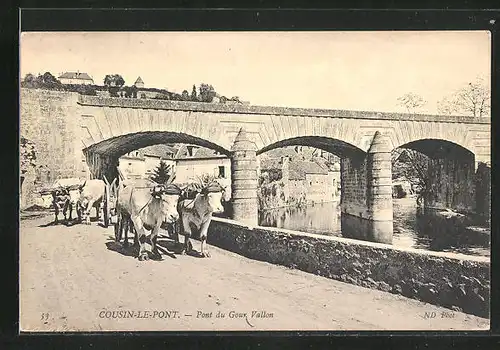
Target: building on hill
<point x="76" y="78"/>
<point x="139" y="83"/>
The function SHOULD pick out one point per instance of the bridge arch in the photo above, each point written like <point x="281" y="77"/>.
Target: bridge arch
<point x="102" y="157"/>
<point x="439" y="148"/>
<point x="120" y="145"/>
<point x="449" y="179"/>
<point x="335" y="146"/>
<point x="415" y="134"/>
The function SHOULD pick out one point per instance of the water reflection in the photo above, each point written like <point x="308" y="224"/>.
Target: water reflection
<point x="315" y="218"/>
<point x="412" y="228"/>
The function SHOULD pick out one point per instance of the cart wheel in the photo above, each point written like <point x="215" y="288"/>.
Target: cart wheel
<point x="106" y="210"/>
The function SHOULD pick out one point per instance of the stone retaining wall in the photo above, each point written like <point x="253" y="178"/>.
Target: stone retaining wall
<point x="455" y="281"/>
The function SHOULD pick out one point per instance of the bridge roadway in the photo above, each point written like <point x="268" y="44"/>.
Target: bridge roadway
<point x="70" y="277"/>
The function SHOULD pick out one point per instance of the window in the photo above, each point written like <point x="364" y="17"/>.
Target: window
<point x="222" y="172"/>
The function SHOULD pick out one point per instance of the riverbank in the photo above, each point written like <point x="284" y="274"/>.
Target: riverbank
<point x="412" y="228"/>
<point x="299" y="205"/>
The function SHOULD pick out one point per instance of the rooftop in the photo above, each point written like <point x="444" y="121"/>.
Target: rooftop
<point x="198" y="153"/>
<point x="75" y="75"/>
<point x="299" y="169"/>
<point x="163" y="151"/>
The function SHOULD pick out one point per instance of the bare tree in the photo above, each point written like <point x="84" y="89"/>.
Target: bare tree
<point x="471" y="100"/>
<point x="412" y="102"/>
<point x="413" y="166"/>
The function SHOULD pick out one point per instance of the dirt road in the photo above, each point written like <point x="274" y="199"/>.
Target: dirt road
<point x="78" y="279"/>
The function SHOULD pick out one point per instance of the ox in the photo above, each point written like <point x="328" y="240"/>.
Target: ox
<point x="60" y="201"/>
<point x="196" y="213"/>
<point x="73" y="199"/>
<point x="91" y="196"/>
<point x="147" y="208"/>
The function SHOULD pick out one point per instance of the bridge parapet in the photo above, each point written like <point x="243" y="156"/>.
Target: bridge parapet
<point x="269" y="110"/>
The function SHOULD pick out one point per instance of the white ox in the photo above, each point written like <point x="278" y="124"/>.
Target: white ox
<point x="91" y="196"/>
<point x="196" y="214"/>
<point x="147" y="208"/>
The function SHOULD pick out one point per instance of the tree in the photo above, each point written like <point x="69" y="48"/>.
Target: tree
<point x="471" y="100"/>
<point x="411" y="102"/>
<point x="161" y="174"/>
<point x="48" y="78"/>
<point x="412" y="166"/>
<point x="207" y="93"/>
<point x="130" y="91"/>
<point x="194" y="96"/>
<point x="114" y="82"/>
<point x="185" y="95"/>
<point x="29" y="78"/>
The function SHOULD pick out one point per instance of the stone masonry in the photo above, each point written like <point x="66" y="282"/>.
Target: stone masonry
<point x="62" y="125"/>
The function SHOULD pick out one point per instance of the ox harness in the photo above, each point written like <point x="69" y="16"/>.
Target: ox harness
<point x="191" y="191"/>
<point x="170" y="189"/>
<point x="60" y="197"/>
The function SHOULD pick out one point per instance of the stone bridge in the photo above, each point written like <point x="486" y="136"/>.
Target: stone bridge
<point x="106" y="128"/>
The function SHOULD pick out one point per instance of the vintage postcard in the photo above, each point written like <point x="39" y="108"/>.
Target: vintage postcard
<point x="254" y="181"/>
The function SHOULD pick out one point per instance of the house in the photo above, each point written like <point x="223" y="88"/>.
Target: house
<point x="302" y="179"/>
<point x="141" y="163"/>
<point x="76" y="78"/>
<point x="139" y="83"/>
<point x="193" y="161"/>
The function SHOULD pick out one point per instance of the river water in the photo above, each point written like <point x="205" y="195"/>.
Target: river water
<point x="412" y="229"/>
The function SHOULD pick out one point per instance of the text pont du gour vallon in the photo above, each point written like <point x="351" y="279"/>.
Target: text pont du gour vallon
<point x="172" y="314"/>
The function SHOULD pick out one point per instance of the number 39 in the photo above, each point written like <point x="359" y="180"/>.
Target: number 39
<point x="45" y="316"/>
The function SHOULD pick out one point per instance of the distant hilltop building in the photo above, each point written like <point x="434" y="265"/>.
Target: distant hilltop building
<point x="76" y="78"/>
<point x="139" y="83"/>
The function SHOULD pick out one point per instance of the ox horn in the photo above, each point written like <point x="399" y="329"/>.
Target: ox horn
<point x="82" y="185"/>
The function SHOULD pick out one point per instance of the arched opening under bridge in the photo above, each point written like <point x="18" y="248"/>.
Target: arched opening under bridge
<point x="430" y="178"/>
<point x="299" y="183"/>
<point x="102" y="157"/>
<point x="445" y="172"/>
<point x="334" y="146"/>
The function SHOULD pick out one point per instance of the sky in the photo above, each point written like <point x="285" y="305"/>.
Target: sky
<point x="333" y="70"/>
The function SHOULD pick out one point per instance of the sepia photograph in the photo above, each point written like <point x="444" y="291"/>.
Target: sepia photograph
<point x="254" y="181"/>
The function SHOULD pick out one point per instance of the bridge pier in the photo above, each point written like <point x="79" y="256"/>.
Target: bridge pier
<point x="244" y="179"/>
<point x="483" y="192"/>
<point x="366" y="197"/>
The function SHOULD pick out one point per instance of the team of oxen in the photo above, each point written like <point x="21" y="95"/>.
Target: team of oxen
<point x="143" y="205"/>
